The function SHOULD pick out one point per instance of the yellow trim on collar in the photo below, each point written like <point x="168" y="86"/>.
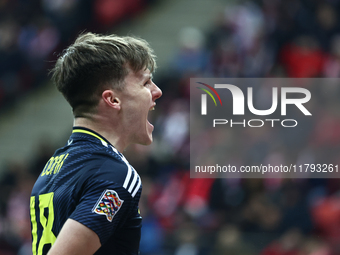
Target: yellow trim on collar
<point x="89" y="133"/>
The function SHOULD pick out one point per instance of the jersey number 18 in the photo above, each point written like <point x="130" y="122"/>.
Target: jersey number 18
<point x="47" y="236"/>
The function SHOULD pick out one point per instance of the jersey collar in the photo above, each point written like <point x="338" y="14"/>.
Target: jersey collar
<point x="90" y="132"/>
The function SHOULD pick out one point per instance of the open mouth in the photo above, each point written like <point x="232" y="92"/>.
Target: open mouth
<point x="150" y="110"/>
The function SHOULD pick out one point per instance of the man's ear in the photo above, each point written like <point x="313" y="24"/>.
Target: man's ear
<point x="111" y="99"/>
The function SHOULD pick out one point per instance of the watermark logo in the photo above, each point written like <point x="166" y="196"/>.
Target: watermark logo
<point x="238" y="99"/>
<point x="261" y="127"/>
<point x="288" y="96"/>
<point x="204" y="97"/>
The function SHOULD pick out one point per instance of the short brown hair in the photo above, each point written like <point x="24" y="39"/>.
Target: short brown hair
<point x="96" y="62"/>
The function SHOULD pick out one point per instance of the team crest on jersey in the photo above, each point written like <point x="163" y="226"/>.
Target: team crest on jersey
<point x="108" y="204"/>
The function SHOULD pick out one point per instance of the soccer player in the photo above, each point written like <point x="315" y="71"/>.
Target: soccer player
<point x="85" y="200"/>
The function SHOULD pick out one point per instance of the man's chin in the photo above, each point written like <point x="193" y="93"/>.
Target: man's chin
<point x="149" y="141"/>
<point x="146" y="141"/>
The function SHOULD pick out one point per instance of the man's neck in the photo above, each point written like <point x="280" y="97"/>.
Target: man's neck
<point x="104" y="130"/>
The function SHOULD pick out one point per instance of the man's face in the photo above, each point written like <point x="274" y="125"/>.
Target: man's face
<point x="138" y="98"/>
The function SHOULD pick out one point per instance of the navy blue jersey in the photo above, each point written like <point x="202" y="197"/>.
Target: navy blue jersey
<point x="89" y="181"/>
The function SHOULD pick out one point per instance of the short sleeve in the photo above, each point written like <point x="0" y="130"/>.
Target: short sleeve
<point x="104" y="202"/>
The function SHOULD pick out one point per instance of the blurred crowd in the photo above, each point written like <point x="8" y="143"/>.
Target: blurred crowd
<point x="181" y="215"/>
<point x="32" y="30"/>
